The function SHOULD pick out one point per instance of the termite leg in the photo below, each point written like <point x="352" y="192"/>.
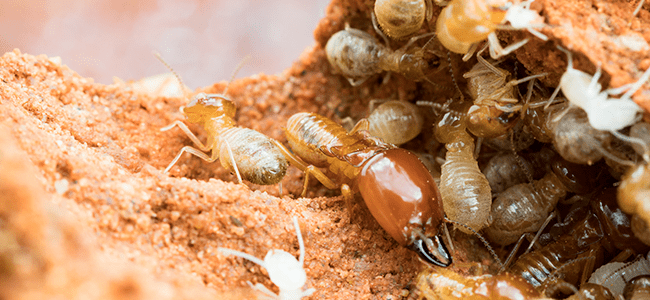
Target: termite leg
<point x="363" y="124"/>
<point x="191" y="150"/>
<point x="308" y="169"/>
<point x="497" y="51"/>
<point x="189" y="134"/>
<point x="232" y="160"/>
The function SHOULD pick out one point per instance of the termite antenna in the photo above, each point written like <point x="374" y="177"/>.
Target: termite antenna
<point x="453" y="78"/>
<point x="178" y="77"/>
<point x="632" y="140"/>
<point x="234" y="73"/>
<point x="480" y="237"/>
<point x="638" y="8"/>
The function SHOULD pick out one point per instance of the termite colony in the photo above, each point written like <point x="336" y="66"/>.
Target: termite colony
<point x="566" y="174"/>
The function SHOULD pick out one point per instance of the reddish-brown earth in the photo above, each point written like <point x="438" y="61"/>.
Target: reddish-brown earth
<point x="87" y="213"/>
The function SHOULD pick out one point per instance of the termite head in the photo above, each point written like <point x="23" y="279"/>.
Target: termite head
<point x="204" y="107"/>
<point x="490" y="121"/>
<point x="402" y="196"/>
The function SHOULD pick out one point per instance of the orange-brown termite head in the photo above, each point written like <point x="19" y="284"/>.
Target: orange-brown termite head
<point x="204" y="107"/>
<point x="404" y="199"/>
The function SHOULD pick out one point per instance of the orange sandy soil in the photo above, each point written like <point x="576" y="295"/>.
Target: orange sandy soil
<point x="87" y="213"/>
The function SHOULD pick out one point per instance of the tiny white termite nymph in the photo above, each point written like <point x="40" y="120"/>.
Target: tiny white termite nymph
<point x="604" y="113"/>
<point x="283" y="268"/>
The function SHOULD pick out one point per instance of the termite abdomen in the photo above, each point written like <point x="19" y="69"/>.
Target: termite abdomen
<point x="258" y="160"/>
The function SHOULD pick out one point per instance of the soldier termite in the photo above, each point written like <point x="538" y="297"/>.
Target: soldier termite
<point x="397" y="188"/>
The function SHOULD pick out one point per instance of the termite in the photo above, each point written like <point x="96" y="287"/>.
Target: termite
<point x="507" y="169"/>
<point x="605" y="228"/>
<point x="283" y="268"/>
<point x="397" y="188"/>
<point x="604" y="113"/>
<point x="401" y="18"/>
<point x="615" y="275"/>
<point x="576" y="140"/>
<point x="357" y="55"/>
<point x="464" y="23"/>
<point x="251" y="155"/>
<point x="445" y="284"/>
<point x="466" y="193"/>
<point x="395" y="122"/>
<point x="496" y="108"/>
<point x="524" y="207"/>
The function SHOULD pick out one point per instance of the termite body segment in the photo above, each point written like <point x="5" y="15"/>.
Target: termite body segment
<point x="395" y="122"/>
<point x="357" y="55"/>
<point x="445" y="284"/>
<point x="397" y="188"/>
<point x="605" y="228"/>
<point x="466" y="192"/>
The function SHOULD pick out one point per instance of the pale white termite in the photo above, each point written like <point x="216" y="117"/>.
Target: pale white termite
<point x="283" y="268"/>
<point x="604" y="113"/>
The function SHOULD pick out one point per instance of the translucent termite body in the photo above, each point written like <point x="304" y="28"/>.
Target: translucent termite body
<point x="604" y="228"/>
<point x="445" y="284"/>
<point x="465" y="191"/>
<point x="397" y="188"/>
<point x="524" y="207"/>
<point x="576" y="140"/>
<point x="616" y="275"/>
<point x="395" y="122"/>
<point x="400" y="18"/>
<point x="357" y="55"/>
<point x="249" y="154"/>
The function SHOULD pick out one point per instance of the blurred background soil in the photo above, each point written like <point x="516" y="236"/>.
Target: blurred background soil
<point x="86" y="212"/>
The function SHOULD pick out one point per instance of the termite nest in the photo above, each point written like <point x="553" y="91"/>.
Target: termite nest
<point x="554" y="172"/>
<point x="561" y="168"/>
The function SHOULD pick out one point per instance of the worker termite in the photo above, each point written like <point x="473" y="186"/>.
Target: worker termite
<point x="464" y="23"/>
<point x="615" y="275"/>
<point x="395" y="122"/>
<point x="524" y="207"/>
<point x="357" y="55"/>
<point x="465" y="191"/>
<point x="283" y="268"/>
<point x="445" y="284"/>
<point x="397" y="188"/>
<point x="401" y="18"/>
<point x="495" y="108"/>
<point x="251" y="155"/>
<point x="507" y="169"/>
<point x="576" y="140"/>
<point x="605" y="228"/>
<point x="604" y="113"/>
